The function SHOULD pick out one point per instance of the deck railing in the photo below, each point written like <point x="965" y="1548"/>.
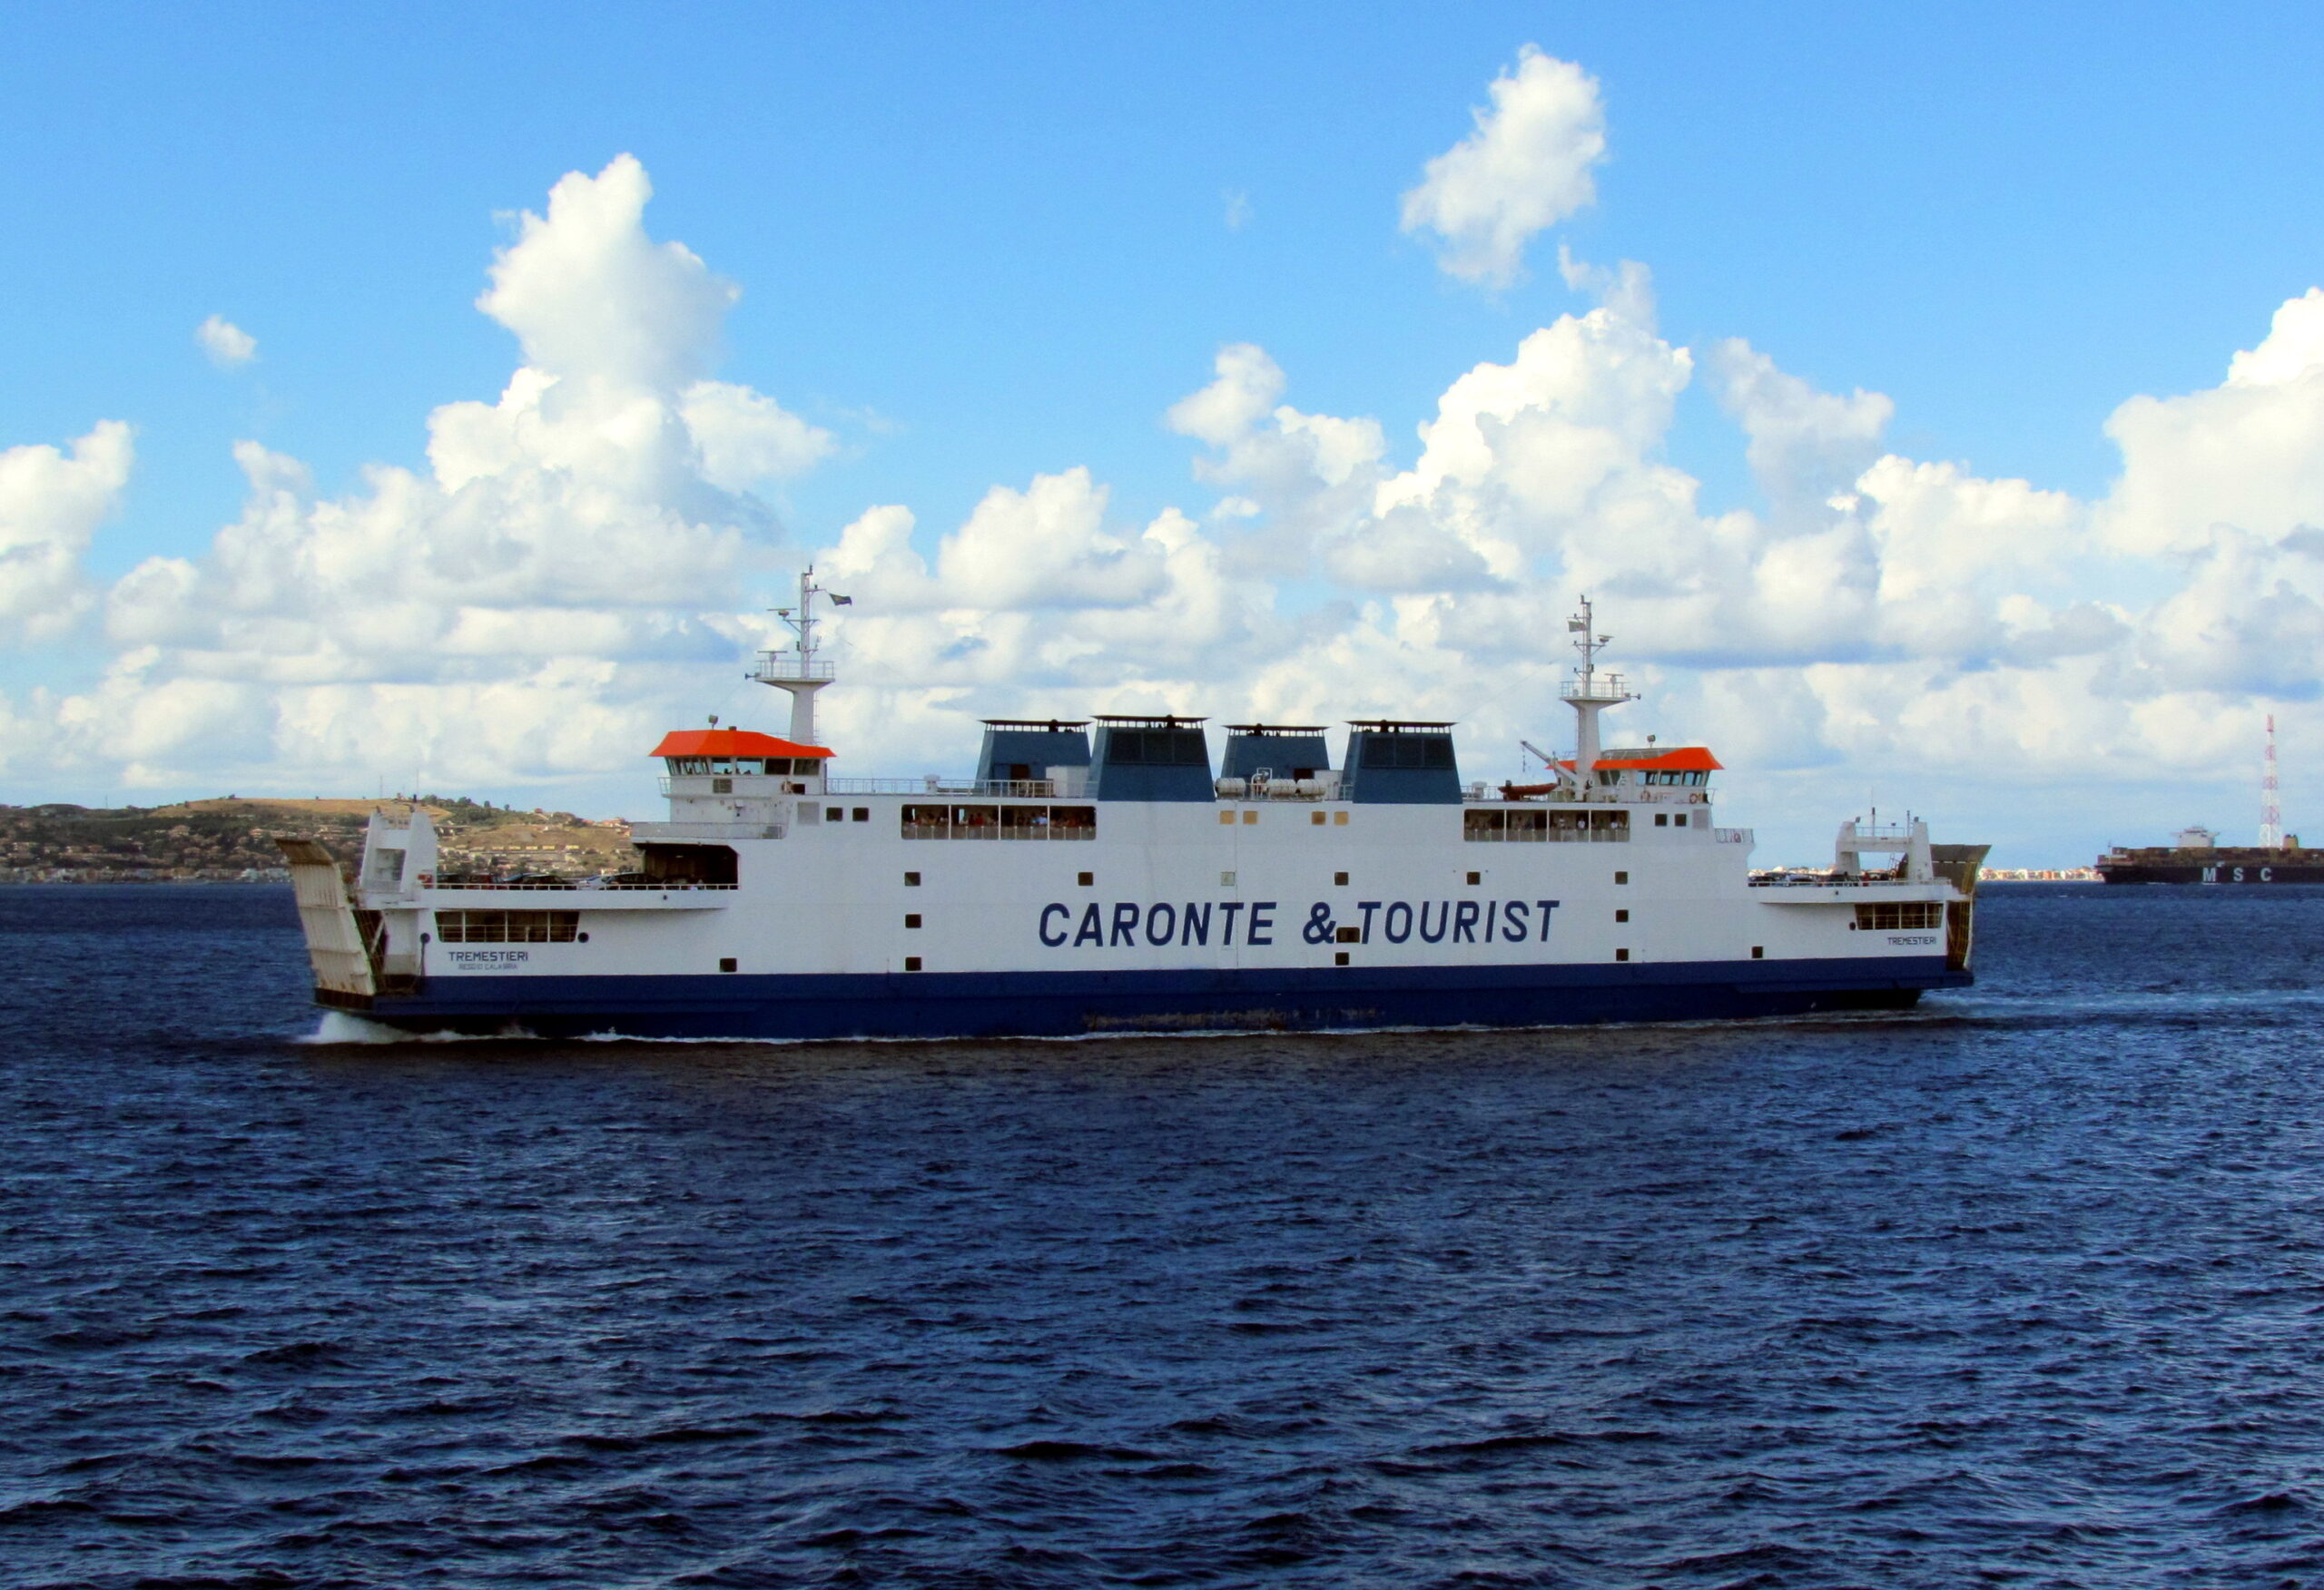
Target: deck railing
<point x="648" y="832"/>
<point x="773" y="665"/>
<point x="572" y="885"/>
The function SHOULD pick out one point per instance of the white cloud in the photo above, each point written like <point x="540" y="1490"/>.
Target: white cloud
<point x="1805" y="445"/>
<point x="227" y="344"/>
<point x="1292" y="478"/>
<point x="2248" y="453"/>
<point x="51" y="504"/>
<point x="589" y="294"/>
<point x="1525" y="168"/>
<point x="570" y="564"/>
<point x="746" y="438"/>
<point x="573" y="568"/>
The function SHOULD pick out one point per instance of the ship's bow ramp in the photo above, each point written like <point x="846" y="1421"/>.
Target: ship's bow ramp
<point x="335" y="942"/>
<point x="1960" y="865"/>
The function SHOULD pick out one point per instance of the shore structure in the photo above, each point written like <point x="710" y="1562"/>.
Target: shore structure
<point x="1108" y="874"/>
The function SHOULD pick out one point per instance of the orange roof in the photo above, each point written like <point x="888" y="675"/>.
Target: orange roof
<point x="1686" y="759"/>
<point x="731" y="742"/>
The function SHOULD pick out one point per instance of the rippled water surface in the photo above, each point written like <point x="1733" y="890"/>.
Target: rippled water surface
<point x="2026" y="1288"/>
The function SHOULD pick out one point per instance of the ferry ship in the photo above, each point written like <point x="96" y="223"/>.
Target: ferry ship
<point x="1128" y="874"/>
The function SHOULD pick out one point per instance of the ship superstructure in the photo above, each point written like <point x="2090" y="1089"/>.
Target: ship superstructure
<point x="1134" y="873"/>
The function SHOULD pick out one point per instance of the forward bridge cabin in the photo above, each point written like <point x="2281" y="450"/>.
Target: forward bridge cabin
<point x="1123" y="873"/>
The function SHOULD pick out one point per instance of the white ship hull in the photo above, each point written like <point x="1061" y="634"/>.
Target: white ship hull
<point x="1127" y="890"/>
<point x="848" y="928"/>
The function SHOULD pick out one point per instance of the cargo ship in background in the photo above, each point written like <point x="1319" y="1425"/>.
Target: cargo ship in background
<point x="2196" y="855"/>
<point x="1108" y="875"/>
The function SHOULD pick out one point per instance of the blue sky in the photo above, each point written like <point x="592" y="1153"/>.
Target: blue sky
<point x="978" y="251"/>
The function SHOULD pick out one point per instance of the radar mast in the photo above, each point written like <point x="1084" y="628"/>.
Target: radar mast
<point x="1590" y="692"/>
<point x="796" y="668"/>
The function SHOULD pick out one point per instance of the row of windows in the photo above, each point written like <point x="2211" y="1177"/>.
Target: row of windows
<point x="507" y="927"/>
<point x="1690" y="780"/>
<point x="1570" y="825"/>
<point x="1000" y="822"/>
<point x="1912" y="914"/>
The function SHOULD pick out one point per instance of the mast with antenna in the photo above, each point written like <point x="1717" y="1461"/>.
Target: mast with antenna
<point x="2271" y="811"/>
<point x="1590" y="692"/>
<point x="796" y="668"/>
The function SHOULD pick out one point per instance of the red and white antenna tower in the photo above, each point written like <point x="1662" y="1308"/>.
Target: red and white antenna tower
<point x="2271" y="811"/>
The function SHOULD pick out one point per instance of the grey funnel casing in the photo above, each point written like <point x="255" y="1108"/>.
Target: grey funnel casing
<point x="1018" y="750"/>
<point x="1401" y="764"/>
<point x="1279" y="753"/>
<point x="1153" y="759"/>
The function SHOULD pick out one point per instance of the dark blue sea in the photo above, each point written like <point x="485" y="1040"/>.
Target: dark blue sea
<point x="2026" y="1288"/>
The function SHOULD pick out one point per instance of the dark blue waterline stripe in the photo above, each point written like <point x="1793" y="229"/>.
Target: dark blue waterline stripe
<point x="938" y="1005"/>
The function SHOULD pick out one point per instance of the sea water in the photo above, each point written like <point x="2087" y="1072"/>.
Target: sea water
<point x="2026" y="1286"/>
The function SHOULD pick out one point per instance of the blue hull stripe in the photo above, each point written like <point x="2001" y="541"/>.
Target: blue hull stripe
<point x="936" y="1005"/>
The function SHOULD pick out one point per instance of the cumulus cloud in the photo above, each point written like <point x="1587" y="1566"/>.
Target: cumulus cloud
<point x="1805" y="447"/>
<point x="574" y="563"/>
<point x="1290" y="479"/>
<point x="745" y="437"/>
<point x="1883" y="610"/>
<point x="574" y="553"/>
<point x="227" y="344"/>
<point x="51" y="504"/>
<point x="588" y="294"/>
<point x="2249" y="452"/>
<point x="1526" y="167"/>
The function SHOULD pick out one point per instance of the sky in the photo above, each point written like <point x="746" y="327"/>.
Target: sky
<point x="434" y="397"/>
